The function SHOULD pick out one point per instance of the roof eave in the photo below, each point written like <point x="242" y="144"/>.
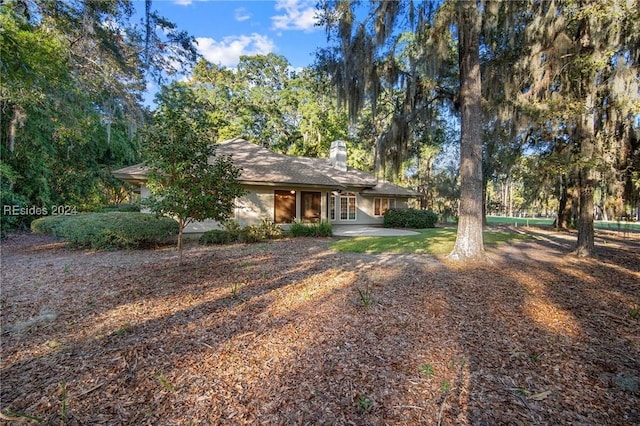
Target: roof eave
<point x="291" y="184"/>
<point x="374" y="193"/>
<point x="134" y="179"/>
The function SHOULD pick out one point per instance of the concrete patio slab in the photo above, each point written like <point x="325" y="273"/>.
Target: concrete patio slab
<point x="368" y="231"/>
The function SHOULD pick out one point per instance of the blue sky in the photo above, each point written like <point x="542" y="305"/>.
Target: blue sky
<point x="226" y="29"/>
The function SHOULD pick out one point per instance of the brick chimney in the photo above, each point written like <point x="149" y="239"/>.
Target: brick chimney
<point x="338" y="155"/>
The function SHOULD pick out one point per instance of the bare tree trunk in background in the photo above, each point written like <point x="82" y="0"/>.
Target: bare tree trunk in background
<point x="560" y="221"/>
<point x="17" y="119"/>
<point x="586" y="240"/>
<point x="510" y="197"/>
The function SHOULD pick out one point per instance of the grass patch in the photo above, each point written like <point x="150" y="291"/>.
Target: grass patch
<point x="429" y="241"/>
<point x="613" y="225"/>
<point x="426" y="370"/>
<point x="519" y="221"/>
<point x="620" y="226"/>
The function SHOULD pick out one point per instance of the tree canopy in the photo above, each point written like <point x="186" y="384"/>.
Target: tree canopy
<point x="187" y="180"/>
<point x="559" y="83"/>
<point x="73" y="75"/>
<point x="544" y="111"/>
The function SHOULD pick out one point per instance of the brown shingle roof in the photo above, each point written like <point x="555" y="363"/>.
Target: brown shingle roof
<point x="134" y="174"/>
<point x="352" y="177"/>
<point x="261" y="166"/>
<point x="384" y="188"/>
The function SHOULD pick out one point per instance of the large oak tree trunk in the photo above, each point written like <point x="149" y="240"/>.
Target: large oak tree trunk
<point x="469" y="242"/>
<point x="586" y="134"/>
<point x="586" y="181"/>
<point x="586" y="244"/>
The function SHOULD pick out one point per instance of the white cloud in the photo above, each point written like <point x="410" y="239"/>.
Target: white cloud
<point x="296" y="70"/>
<point x="241" y="14"/>
<point x="183" y="2"/>
<point x="227" y="52"/>
<point x="299" y="15"/>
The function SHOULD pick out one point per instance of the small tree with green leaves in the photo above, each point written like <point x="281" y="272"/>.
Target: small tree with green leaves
<point x="186" y="178"/>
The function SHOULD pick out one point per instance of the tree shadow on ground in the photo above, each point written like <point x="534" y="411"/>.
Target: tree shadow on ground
<point x="313" y="336"/>
<point x="145" y="313"/>
<point x="560" y="343"/>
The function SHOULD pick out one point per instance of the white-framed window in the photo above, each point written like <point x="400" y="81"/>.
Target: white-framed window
<point x="343" y="206"/>
<point x="332" y="207"/>
<point x="381" y="205"/>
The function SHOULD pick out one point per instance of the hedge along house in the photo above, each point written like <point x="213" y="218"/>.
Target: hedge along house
<point x="285" y="188"/>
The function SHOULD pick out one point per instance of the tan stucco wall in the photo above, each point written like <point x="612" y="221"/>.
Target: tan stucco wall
<point x="201" y="227"/>
<point x="365" y="210"/>
<point x="258" y="204"/>
<point x="144" y="193"/>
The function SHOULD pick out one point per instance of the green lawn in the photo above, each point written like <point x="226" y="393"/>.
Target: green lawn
<point x="618" y="226"/>
<point x="429" y="241"/>
<point x="537" y="221"/>
<point x="520" y="221"/>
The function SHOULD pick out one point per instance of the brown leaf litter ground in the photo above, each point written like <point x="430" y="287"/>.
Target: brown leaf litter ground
<point x="291" y="332"/>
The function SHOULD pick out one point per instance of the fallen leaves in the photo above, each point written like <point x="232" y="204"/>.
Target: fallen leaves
<point x="537" y="337"/>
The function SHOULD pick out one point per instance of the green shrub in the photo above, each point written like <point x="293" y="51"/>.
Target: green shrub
<point x="270" y="230"/>
<point x="233" y="229"/>
<point x="10" y="222"/>
<point x="10" y="200"/>
<point x="48" y="225"/>
<point x="127" y="208"/>
<point x="250" y="234"/>
<point x="114" y="230"/>
<point x="267" y="230"/>
<point x="319" y="229"/>
<point x="216" y="236"/>
<point x="410" y="218"/>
